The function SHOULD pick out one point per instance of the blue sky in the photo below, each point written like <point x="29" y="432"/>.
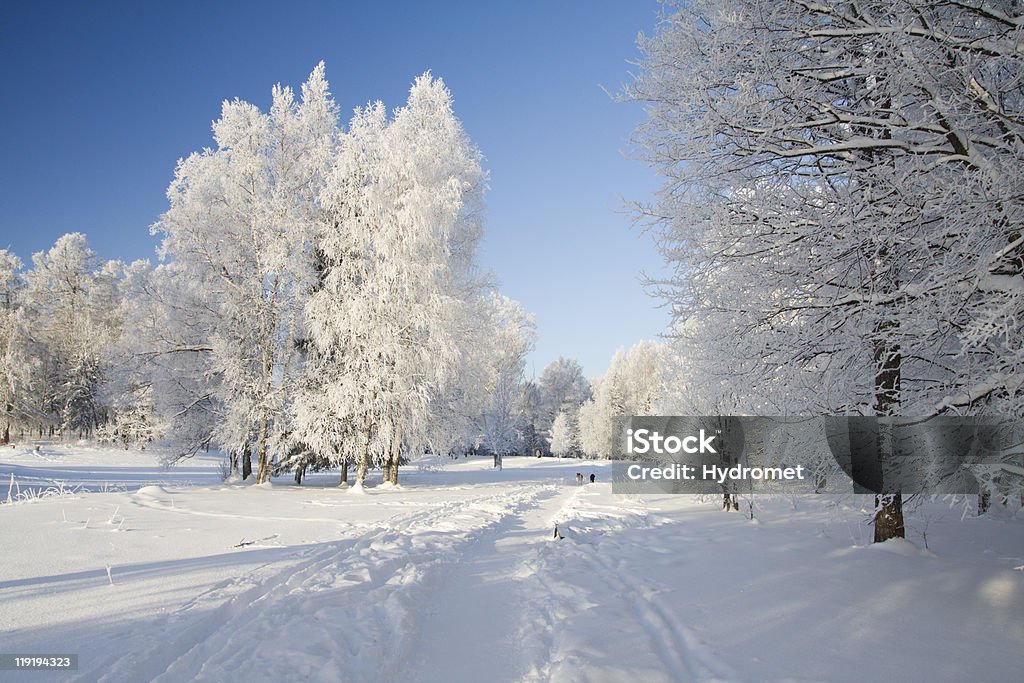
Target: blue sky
<point x="100" y="100"/>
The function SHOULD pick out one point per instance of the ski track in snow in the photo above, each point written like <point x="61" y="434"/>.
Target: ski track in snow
<point x="682" y="655"/>
<point x="681" y="651"/>
<point x="351" y="600"/>
<point x="474" y="618"/>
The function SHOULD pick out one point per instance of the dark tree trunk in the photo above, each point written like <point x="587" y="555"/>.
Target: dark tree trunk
<point x="889" y="518"/>
<point x="984" y="500"/>
<point x="391" y="473"/>
<point x="344" y="472"/>
<point x="300" y="471"/>
<point x="888" y="360"/>
<point x="246" y="462"/>
<point x="394" y="468"/>
<point x="262" y="455"/>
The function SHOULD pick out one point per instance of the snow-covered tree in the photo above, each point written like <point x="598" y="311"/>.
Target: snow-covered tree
<point x="565" y="433"/>
<point x="532" y="408"/>
<point x="15" y="360"/>
<point x="562" y="386"/>
<point x="160" y="380"/>
<point x="635" y="384"/>
<point x="339" y="357"/>
<point x="239" y="228"/>
<point x="511" y="334"/>
<point x="397" y="243"/>
<point x="842" y="203"/>
<point x="71" y="302"/>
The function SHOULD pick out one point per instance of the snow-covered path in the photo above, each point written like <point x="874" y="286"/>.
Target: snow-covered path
<point x="472" y="627"/>
<point x="355" y="600"/>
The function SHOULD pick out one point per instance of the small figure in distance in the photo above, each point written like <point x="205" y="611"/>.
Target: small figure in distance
<point x="579" y="478"/>
<point x="592" y="477"/>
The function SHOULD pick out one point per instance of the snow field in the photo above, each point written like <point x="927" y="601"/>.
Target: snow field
<point x="456" y="575"/>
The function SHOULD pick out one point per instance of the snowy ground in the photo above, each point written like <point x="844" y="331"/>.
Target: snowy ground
<point x="455" y="576"/>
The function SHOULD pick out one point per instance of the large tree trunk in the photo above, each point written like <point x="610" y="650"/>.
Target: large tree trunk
<point x="262" y="462"/>
<point x="889" y="518"/>
<point x="300" y="470"/>
<point x="344" y="473"/>
<point x="396" y="454"/>
<point x="731" y="451"/>
<point x="364" y="463"/>
<point x="246" y="462"/>
<point x="889" y="515"/>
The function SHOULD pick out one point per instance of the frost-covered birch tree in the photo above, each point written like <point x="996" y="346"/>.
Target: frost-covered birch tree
<point x="15" y="359"/>
<point x="239" y="227"/>
<point x="565" y="433"/>
<point x="842" y="204"/>
<point x="329" y="418"/>
<point x="397" y="243"/>
<point x="562" y="386"/>
<point x="71" y="313"/>
<point x="166" y="387"/>
<point x="511" y="335"/>
<point x="635" y="384"/>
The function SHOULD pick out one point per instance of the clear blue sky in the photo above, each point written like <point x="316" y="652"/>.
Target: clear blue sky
<point x="100" y="100"/>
